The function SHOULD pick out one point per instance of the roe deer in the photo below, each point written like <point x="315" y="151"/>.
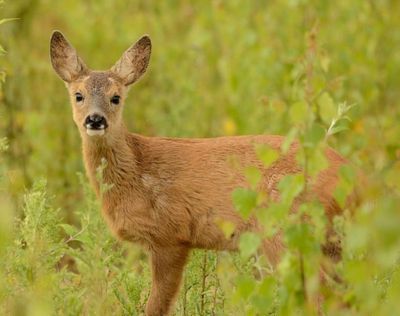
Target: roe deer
<point x="169" y="193"/>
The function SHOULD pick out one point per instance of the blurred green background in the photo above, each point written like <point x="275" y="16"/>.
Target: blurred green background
<point x="217" y="68"/>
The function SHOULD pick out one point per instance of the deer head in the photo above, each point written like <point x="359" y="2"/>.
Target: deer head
<point x="97" y="97"/>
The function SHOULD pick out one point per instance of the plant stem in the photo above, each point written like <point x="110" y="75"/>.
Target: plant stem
<point x="203" y="282"/>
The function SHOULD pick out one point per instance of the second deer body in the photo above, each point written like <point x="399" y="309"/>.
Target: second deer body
<point x="169" y="194"/>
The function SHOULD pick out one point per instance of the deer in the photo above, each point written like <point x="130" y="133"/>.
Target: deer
<point x="169" y="194"/>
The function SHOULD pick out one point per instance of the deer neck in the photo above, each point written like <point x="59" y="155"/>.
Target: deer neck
<point x="114" y="156"/>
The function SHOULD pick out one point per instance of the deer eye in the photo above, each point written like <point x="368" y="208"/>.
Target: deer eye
<point x="115" y="99"/>
<point x="78" y="97"/>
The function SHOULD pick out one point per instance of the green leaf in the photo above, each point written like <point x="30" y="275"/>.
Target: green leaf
<point x="245" y="201"/>
<point x="290" y="186"/>
<point x="279" y="211"/>
<point x="346" y="184"/>
<point x="341" y="193"/>
<point x="266" y="154"/>
<point x="298" y="112"/>
<point x="289" y="139"/>
<point x="327" y="108"/>
<point x="264" y="298"/>
<point x="253" y="175"/>
<point x="245" y="286"/>
<point x="317" y="161"/>
<point x="313" y="136"/>
<point x="316" y="212"/>
<point x="338" y="129"/>
<point x="248" y="244"/>
<point x="227" y="227"/>
<point x="69" y="229"/>
<point x="300" y="236"/>
<point x="85" y="239"/>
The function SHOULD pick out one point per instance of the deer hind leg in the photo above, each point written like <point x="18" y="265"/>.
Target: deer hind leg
<point x="167" y="268"/>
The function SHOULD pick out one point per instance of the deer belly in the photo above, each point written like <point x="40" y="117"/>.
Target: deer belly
<point x="141" y="227"/>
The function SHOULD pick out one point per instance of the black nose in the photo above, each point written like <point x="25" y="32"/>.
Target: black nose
<point x="96" y="121"/>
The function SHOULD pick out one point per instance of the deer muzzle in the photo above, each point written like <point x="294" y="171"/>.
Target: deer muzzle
<point x="95" y="124"/>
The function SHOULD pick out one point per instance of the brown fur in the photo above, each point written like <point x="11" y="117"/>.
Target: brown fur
<point x="167" y="193"/>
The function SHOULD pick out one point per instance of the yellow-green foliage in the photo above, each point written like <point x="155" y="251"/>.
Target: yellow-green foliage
<point x="323" y="72"/>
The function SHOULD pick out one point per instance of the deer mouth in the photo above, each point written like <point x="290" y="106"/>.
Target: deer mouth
<point x="95" y="132"/>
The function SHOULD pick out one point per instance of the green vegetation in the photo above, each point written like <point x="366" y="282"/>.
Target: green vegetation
<point x="323" y="72"/>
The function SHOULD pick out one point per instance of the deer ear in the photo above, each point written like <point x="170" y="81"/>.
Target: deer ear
<point x="66" y="62"/>
<point x="133" y="63"/>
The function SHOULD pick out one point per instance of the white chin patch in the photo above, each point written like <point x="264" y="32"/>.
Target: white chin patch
<point x="95" y="132"/>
